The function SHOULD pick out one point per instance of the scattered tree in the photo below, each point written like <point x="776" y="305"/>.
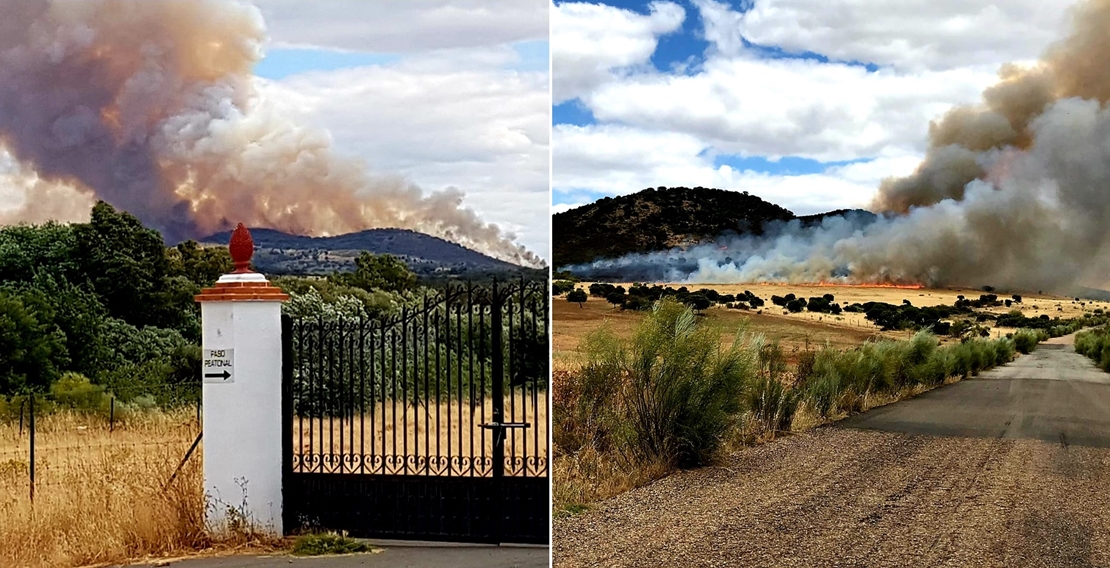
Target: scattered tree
<point x="578" y="296"/>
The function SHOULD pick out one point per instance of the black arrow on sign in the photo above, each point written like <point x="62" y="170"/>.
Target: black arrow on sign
<point x="225" y="375"/>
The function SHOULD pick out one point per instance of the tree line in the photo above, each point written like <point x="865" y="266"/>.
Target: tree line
<point x="109" y="308"/>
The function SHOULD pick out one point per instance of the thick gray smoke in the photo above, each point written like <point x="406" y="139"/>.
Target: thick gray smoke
<point x="1013" y="192"/>
<point x="150" y="106"/>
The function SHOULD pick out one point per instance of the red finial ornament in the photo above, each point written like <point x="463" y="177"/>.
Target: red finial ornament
<point x="241" y="248"/>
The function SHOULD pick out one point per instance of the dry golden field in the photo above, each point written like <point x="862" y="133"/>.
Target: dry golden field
<point x="99" y="496"/>
<point x="794" y="331"/>
<point x="448" y="431"/>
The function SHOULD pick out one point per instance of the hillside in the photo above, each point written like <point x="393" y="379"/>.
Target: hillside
<point x="656" y="219"/>
<point x="282" y="253"/>
<point x="661" y="219"/>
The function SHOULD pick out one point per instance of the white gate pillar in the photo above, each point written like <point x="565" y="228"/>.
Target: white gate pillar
<point x="241" y="371"/>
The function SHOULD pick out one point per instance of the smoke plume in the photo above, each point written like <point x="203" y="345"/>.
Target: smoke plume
<point x="1014" y="191"/>
<point x="150" y="106"/>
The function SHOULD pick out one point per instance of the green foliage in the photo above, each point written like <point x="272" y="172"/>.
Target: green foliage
<point x="32" y="348"/>
<point x="771" y="402"/>
<point x="1025" y="340"/>
<point x="840" y="379"/>
<point x="77" y="392"/>
<point x="126" y="265"/>
<point x="676" y="390"/>
<point x="328" y="543"/>
<point x="378" y="272"/>
<point x="560" y="287"/>
<point x="199" y="265"/>
<point x="577" y="296"/>
<point x="1095" y="344"/>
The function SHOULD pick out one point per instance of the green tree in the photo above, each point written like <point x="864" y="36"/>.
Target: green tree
<point x="201" y="265"/>
<point x="578" y="296"/>
<point x="32" y="348"/>
<point x="379" y="272"/>
<point x="125" y="263"/>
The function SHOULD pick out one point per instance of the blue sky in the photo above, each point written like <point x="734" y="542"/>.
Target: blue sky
<point x="682" y="52"/>
<point x="282" y="62"/>
<point x="806" y="103"/>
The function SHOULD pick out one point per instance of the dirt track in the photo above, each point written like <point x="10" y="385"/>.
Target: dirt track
<point x="1022" y="478"/>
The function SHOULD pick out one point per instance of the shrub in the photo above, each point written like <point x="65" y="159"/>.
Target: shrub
<point x="676" y="390"/>
<point x="771" y="402"/>
<point x="560" y="287"/>
<point x="76" y="392"/>
<point x="1025" y="340"/>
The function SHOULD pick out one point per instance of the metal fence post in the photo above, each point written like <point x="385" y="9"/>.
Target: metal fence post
<point x="112" y="415"/>
<point x="32" y="428"/>
<point x="498" y="378"/>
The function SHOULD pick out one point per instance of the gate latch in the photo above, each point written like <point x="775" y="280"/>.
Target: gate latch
<point x="495" y="425"/>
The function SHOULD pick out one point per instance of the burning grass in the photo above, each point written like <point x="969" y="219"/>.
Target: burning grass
<point x="100" y="496"/>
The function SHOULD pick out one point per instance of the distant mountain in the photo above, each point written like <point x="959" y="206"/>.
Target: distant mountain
<point x="656" y="219"/>
<point x="665" y="218"/>
<point x="282" y="253"/>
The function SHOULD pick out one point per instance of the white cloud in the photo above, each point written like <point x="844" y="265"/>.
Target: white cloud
<point x="906" y="34"/>
<point x="484" y="130"/>
<point x="590" y="41"/>
<point x="404" y="26"/>
<point x="791" y="107"/>
<point x="617" y="160"/>
<point x="662" y="128"/>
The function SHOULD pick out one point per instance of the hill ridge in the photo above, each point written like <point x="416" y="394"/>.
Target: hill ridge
<point x="279" y="252"/>
<point x="663" y="218"/>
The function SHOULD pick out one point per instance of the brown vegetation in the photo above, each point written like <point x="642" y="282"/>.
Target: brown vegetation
<point x="100" y="496"/>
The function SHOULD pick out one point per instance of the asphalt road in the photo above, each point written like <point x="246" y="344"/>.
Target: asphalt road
<point x="1009" y="469"/>
<point x="388" y="557"/>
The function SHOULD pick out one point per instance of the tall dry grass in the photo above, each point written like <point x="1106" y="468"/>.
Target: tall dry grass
<point x="99" y="495"/>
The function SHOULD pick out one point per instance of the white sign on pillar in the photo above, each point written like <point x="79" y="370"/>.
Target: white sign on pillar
<point x="218" y="366"/>
<point x="241" y="372"/>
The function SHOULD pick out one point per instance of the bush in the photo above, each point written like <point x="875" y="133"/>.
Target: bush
<point x="843" y="379"/>
<point x="677" y="392"/>
<point x="771" y="403"/>
<point x="77" y="392"/>
<point x="560" y="287"/>
<point x="1025" y="340"/>
<point x="1095" y="345"/>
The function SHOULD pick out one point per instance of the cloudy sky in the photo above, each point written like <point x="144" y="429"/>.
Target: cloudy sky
<point x="448" y="93"/>
<point x="805" y="103"/>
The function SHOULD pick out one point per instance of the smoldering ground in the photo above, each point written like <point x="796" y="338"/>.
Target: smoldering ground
<point x="151" y="106"/>
<point x="1013" y="191"/>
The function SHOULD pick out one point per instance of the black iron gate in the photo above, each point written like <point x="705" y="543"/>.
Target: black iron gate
<point x="430" y="424"/>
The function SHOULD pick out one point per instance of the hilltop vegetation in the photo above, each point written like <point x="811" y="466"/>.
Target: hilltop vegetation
<point x="663" y="218"/>
<point x="427" y="256"/>
<point x="656" y="219"/>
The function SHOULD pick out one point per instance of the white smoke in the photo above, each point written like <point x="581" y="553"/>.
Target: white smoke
<point x="1014" y="192"/>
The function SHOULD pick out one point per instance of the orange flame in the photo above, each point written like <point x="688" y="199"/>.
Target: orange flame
<point x="826" y="283"/>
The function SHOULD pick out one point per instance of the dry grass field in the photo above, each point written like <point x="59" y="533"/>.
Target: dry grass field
<point x="794" y="331"/>
<point x="447" y="431"/>
<point x="99" y="495"/>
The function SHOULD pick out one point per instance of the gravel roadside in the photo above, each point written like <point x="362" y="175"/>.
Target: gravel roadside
<point x="846" y="498"/>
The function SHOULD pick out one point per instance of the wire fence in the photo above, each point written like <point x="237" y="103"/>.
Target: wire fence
<point x="64" y="442"/>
